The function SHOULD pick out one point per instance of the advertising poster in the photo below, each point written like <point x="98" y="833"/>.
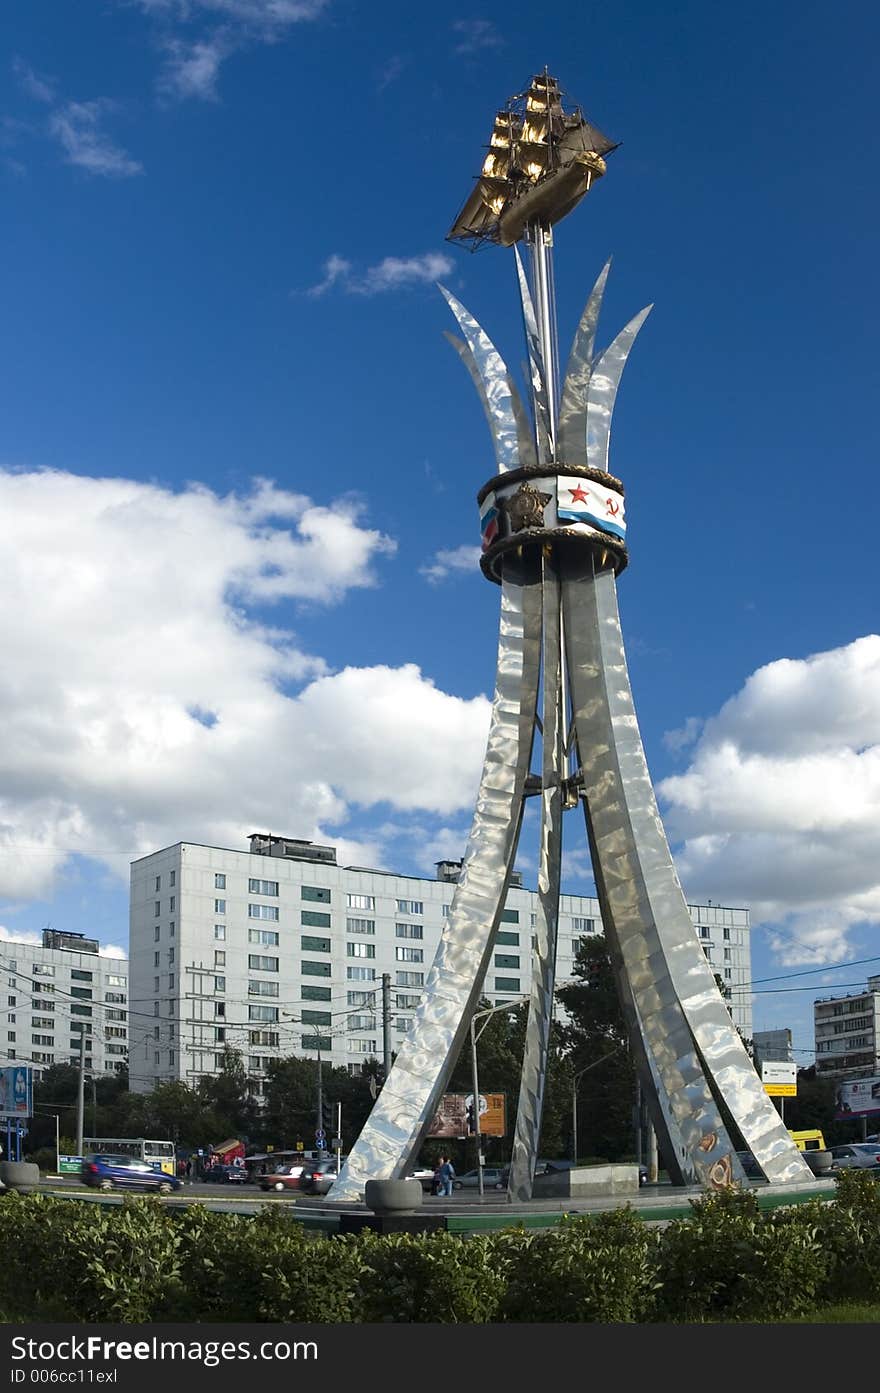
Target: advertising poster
<point x="15" y="1091"/>
<point x="857" y="1097"/>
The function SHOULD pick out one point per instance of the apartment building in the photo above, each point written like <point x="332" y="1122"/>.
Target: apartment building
<point x="278" y="950"/>
<point x="847" y="1031"/>
<point x="55" y="992"/>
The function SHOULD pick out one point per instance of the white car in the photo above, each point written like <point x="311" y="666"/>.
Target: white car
<point x="857" y="1155"/>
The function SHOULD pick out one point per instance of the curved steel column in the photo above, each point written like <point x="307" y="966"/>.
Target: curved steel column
<point x="534" y="1069"/>
<point x="688" y="1028"/>
<point x="411" y="1095"/>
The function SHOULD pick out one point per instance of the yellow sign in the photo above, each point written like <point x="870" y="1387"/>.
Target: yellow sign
<point x="781" y="1090"/>
<point x="492" y="1120"/>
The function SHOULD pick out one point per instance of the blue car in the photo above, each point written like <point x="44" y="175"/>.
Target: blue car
<point x="126" y="1173"/>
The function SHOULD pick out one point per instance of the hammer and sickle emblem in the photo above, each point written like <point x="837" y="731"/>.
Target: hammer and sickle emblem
<point x="612" y="507"/>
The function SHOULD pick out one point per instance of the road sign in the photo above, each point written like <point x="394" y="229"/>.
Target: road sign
<point x="320" y="1137"/>
<point x="779" y="1078"/>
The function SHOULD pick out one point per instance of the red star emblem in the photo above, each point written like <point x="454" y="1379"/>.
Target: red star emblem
<point x="578" y="495"/>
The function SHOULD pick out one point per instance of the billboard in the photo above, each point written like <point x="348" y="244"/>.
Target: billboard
<point x="451" y="1118"/>
<point x="16" y="1091"/>
<point x="779" y="1078"/>
<point x="857" y="1098"/>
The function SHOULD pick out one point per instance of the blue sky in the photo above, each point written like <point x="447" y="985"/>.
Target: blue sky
<point x="223" y="224"/>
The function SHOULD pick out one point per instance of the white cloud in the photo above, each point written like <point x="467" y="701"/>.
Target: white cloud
<point x="191" y="69"/>
<point x="780" y="805"/>
<point x="392" y="273"/>
<point x="476" y="35"/>
<point x="144" y="698"/>
<point x="36" y="85"/>
<point x="446" y="563"/>
<point x="76" y="125"/>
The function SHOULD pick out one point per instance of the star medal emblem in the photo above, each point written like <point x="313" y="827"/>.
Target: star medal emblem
<point x="525" y="508"/>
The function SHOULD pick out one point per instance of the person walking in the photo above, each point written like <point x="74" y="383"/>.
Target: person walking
<point x="447" y="1176"/>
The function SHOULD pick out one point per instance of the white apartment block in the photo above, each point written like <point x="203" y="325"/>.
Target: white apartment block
<point x="847" y="1031"/>
<point x="57" y="990"/>
<point x="278" y="950"/>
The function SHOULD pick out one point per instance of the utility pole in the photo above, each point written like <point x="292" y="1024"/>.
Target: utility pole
<point x="338" y="1137"/>
<point x="94" y="1083"/>
<point x="319" y="1125"/>
<point x="386" y="1022"/>
<point x="81" y="1093"/>
<point x="475" y="1110"/>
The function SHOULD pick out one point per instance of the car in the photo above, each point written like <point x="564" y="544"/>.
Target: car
<point x="284" y="1178"/>
<point x="856" y="1156"/>
<point x="425" y="1177"/>
<point x="318" y="1176"/>
<point x="470" y="1180"/>
<point x="227" y="1175"/>
<point x="109" y="1172"/>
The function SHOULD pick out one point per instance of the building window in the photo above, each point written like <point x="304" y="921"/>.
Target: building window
<point x="156" y="957"/>
<point x="360" y="950"/>
<point x="219" y="881"/>
<point x="171" y="981"/>
<point x="220" y="933"/>
<point x="262" y="887"/>
<point x="409" y="955"/>
<point x="362" y="1047"/>
<point x="705" y="932"/>
<point x="219" y="984"/>
<point x="310" y="944"/>
<point x="309" y="993"/>
<point x="410" y="907"/>
<point x="444" y="910"/>
<point x="360" y="926"/>
<point x="410" y="979"/>
<point x="10" y="1001"/>
<point x="728" y="973"/>
<point x="402" y="1024"/>
<point x="219" y="906"/>
<point x="219" y="1009"/>
<point x="727" y="955"/>
<point x="219" y="957"/>
<point x="506" y="937"/>
<point x="727" y="933"/>
<point x="171" y="928"/>
<point x="260" y="988"/>
<point x="43" y="970"/>
<point x="77" y="976"/>
<point x="263" y="1013"/>
<point x="173" y="878"/>
<point x="81" y="1011"/>
<point x="157" y="909"/>
<point x="171" y="903"/>
<point x="317" y="894"/>
<point x="317" y="1042"/>
<point x="582" y="926"/>
<point x="83" y="993"/>
<point x="258" y="963"/>
<point x="117" y="998"/>
<point x="264" y="1037"/>
<point x="264" y="911"/>
<point x="507" y="984"/>
<point x="317" y="1018"/>
<point x="158" y="883"/>
<point x="315" y="969"/>
<point x="267" y="938"/>
<point x="405" y="1003"/>
<point x="155" y="1008"/>
<point x="362" y="1022"/>
<point x="170" y="1056"/>
<point x="362" y="901"/>
<point x="507" y="960"/>
<point x="409" y="931"/>
<point x="156" y="985"/>
<point x="312" y="919"/>
<point x="360" y="998"/>
<point x="171" y="955"/>
<point x="510" y="916"/>
<point x="360" y="974"/>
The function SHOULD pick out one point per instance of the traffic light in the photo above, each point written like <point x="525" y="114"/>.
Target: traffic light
<point x="471" y="1125"/>
<point x="326" y="1115"/>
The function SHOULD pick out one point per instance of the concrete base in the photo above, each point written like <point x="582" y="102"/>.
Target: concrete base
<point x="392" y="1223"/>
<point x="587" y="1181"/>
<point x="393" y="1196"/>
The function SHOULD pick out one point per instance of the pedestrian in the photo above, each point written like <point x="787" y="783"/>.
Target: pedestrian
<point x="189" y="1166"/>
<point x="447" y="1176"/>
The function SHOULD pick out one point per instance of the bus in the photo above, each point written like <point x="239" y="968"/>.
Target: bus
<point x="158" y="1154"/>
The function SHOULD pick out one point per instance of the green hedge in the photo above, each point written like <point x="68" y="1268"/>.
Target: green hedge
<point x="61" y="1260"/>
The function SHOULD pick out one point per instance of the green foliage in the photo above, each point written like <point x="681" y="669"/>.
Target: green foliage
<point x="730" y="1261"/>
<point x="850" y="1234"/>
<point x="429" y="1279"/>
<point x="44" y="1157"/>
<point x="600" y="1268"/>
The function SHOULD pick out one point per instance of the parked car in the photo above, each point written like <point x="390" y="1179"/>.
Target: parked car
<point x="284" y="1178"/>
<point x="318" y="1176"/>
<point x="470" y="1180"/>
<point x="108" y="1172"/>
<point x="227" y="1175"/>
<point x="856" y="1155"/>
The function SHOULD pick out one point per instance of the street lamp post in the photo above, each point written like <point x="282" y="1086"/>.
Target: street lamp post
<point x="475" y="1035"/>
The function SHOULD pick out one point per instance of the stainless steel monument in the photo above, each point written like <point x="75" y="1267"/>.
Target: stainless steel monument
<point x="554" y="539"/>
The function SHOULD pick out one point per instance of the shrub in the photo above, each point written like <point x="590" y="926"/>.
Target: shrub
<point x="437" y="1278"/>
<point x="600" y="1268"/>
<point x="849" y="1230"/>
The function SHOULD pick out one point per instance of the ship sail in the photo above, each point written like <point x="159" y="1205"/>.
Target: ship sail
<point x="540" y="161"/>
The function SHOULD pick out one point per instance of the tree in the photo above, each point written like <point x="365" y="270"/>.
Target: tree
<point x="597" y="1032"/>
